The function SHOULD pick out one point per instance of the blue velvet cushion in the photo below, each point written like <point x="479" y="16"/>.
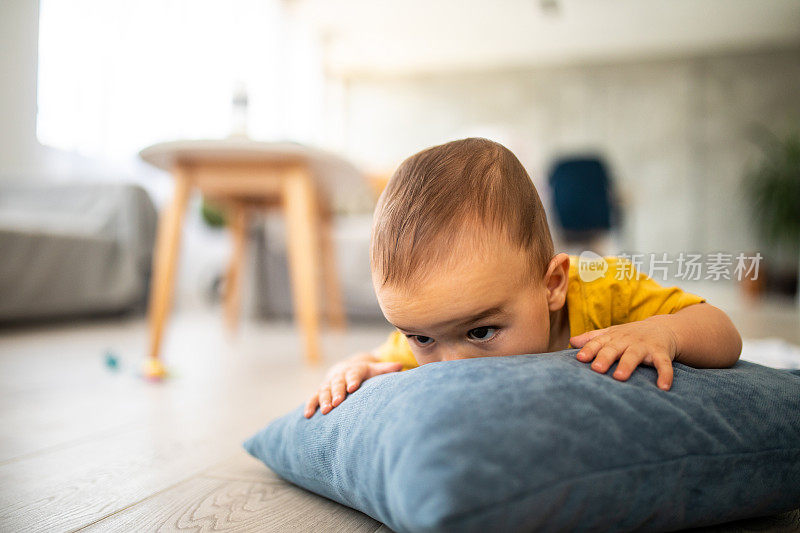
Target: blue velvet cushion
<point x="541" y="442"/>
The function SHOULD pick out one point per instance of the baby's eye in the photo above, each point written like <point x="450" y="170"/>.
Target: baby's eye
<point x="422" y="340"/>
<point x="482" y="334"/>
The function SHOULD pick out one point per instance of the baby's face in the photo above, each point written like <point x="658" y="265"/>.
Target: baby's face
<point x="480" y="306"/>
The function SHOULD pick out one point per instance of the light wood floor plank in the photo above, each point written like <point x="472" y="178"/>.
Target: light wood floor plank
<point x="241" y="466"/>
<point x="214" y="504"/>
<point x="80" y="443"/>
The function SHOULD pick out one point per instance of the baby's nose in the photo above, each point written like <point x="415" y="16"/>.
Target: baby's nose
<point x="454" y="354"/>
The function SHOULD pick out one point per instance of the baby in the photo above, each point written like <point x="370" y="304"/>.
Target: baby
<point x="463" y="266"/>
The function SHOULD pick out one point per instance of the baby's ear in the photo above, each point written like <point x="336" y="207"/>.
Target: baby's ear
<point x="556" y="281"/>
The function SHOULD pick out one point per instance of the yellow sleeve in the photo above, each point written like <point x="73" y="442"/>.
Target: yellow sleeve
<point x="397" y="350"/>
<point x="648" y="298"/>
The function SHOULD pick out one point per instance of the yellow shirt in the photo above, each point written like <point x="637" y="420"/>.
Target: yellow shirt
<point x="619" y="295"/>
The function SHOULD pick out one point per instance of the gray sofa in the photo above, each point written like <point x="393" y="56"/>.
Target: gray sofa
<point x="73" y="249"/>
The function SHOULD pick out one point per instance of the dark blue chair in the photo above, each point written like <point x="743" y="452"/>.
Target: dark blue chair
<point x="581" y="196"/>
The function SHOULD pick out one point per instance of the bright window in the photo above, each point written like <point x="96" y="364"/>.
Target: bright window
<point x="118" y="75"/>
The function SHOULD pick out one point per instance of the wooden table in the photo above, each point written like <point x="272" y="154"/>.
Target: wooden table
<point x="244" y="175"/>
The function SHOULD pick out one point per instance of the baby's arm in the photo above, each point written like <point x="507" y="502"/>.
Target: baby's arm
<point x="705" y="336"/>
<point x="699" y="335"/>
<point x="344" y="378"/>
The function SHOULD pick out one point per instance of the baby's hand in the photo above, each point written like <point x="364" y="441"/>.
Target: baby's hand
<point x="345" y="378"/>
<point x="649" y="341"/>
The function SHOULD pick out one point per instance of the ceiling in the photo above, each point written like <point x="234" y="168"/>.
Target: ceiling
<point x="380" y="37"/>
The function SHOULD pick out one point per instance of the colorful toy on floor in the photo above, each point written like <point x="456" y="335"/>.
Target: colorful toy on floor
<point x="154" y="369"/>
<point x="111" y="361"/>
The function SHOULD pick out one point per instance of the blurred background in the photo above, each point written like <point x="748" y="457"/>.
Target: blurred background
<point x="676" y="120"/>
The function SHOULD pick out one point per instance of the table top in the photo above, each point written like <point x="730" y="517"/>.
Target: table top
<point x="164" y="155"/>
<point x="336" y="177"/>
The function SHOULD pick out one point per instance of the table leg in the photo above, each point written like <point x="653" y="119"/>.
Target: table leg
<point x="334" y="309"/>
<point x="302" y="243"/>
<point x="164" y="260"/>
<point x="233" y="282"/>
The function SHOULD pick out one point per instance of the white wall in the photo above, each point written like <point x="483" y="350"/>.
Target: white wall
<point x="19" y="151"/>
<point x="676" y="132"/>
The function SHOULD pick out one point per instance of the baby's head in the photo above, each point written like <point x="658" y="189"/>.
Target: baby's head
<point x="461" y="255"/>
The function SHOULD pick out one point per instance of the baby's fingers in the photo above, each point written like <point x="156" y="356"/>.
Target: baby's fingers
<point x="631" y="358"/>
<point x="376" y="369"/>
<point x="338" y="390"/>
<point x="591" y="348"/>
<point x="606" y="357"/>
<point x="311" y="406"/>
<point x="354" y="377"/>
<point x="325" y="399"/>
<point x="663" y="366"/>
<point x="580" y="340"/>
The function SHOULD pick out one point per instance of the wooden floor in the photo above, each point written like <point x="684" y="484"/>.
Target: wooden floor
<point x="82" y="446"/>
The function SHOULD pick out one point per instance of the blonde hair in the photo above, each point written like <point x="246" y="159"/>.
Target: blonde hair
<point x="442" y="191"/>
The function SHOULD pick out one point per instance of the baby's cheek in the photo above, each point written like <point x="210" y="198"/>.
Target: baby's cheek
<point x="422" y="359"/>
<point x="531" y="340"/>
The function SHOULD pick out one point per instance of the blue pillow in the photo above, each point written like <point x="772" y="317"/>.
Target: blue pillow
<point x="541" y="442"/>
